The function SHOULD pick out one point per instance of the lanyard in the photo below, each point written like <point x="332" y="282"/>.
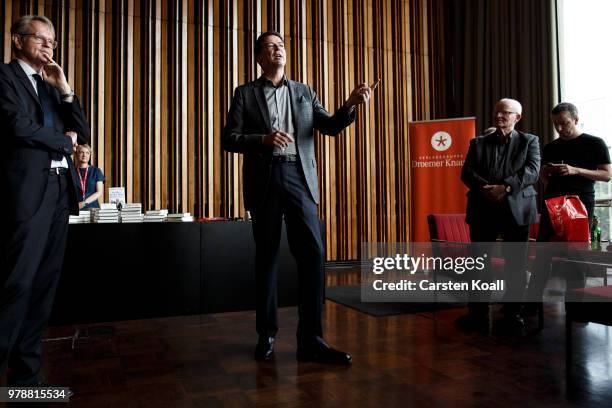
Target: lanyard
<point x="83" y="180"/>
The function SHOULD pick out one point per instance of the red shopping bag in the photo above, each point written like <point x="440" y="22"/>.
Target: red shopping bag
<point x="569" y="218"/>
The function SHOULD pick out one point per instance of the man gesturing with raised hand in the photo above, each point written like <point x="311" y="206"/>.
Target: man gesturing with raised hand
<point x="271" y="121"/>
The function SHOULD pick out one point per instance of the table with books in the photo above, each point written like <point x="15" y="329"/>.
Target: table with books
<point x="132" y="270"/>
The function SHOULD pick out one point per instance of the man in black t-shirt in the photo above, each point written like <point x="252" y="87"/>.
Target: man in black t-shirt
<point x="570" y="165"/>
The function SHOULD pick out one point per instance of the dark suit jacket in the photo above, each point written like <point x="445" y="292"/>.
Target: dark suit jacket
<point x="248" y="121"/>
<point x="26" y="157"/>
<point x="520" y="173"/>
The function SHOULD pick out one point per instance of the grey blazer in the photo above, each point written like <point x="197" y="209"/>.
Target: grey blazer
<point x="520" y="173"/>
<point x="248" y="121"/>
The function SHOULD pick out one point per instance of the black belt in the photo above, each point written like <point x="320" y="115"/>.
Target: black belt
<point x="288" y="158"/>
<point x="54" y="171"/>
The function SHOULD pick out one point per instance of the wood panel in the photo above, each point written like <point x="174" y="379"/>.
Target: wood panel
<point x="156" y="79"/>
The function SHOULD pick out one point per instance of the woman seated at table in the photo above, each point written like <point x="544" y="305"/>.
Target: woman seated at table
<point x="90" y="180"/>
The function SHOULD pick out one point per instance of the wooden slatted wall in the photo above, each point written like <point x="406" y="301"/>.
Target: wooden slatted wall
<point x="156" y="79"/>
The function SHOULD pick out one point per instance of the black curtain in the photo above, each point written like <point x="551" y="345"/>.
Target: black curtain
<point x="502" y="48"/>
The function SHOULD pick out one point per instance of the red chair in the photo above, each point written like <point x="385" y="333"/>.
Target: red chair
<point x="452" y="228"/>
<point x="448" y="228"/>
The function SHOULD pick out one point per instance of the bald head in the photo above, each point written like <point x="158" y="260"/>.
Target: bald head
<point x="513" y="104"/>
<point x="507" y="114"/>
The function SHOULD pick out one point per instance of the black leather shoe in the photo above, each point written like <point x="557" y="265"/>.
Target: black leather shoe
<point x="264" y="350"/>
<point x="320" y="352"/>
<point x="473" y="322"/>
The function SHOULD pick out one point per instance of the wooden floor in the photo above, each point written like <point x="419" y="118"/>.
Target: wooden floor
<point x="406" y="360"/>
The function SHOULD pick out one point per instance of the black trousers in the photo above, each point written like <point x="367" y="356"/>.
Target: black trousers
<point x="288" y="195"/>
<point x="501" y="223"/>
<point x="32" y="256"/>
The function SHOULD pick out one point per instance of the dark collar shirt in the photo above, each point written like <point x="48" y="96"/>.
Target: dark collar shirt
<point x="500" y="158"/>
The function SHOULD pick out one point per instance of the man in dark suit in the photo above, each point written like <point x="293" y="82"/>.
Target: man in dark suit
<point x="500" y="170"/>
<point x="271" y="121"/>
<point x="41" y="121"/>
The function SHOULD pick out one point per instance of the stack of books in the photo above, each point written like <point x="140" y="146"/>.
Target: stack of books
<point x="180" y="217"/>
<point x="156" y="216"/>
<point x="131" y="212"/>
<point x="107" y="213"/>
<point x="84" y="217"/>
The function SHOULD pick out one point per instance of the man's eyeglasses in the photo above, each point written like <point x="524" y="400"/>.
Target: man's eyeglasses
<point x="506" y="113"/>
<point x="42" y="40"/>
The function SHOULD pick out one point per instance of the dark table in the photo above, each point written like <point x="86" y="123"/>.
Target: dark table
<point x="133" y="271"/>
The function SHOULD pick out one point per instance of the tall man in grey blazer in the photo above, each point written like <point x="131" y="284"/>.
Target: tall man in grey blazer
<point x="500" y="170"/>
<point x="271" y="122"/>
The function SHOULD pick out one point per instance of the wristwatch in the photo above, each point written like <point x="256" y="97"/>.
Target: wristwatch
<point x="68" y="95"/>
<point x="508" y="189"/>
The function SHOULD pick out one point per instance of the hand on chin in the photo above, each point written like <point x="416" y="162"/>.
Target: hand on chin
<point x="45" y="58"/>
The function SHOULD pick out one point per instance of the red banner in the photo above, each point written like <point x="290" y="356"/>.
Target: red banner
<point x="437" y="153"/>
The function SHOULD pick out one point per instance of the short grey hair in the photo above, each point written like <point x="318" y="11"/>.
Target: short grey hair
<point x="22" y="26"/>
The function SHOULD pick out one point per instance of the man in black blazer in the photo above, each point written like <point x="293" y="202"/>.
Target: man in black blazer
<point x="500" y="170"/>
<point x="41" y="122"/>
<point x="271" y="122"/>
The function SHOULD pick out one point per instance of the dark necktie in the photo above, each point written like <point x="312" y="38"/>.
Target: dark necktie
<point x="47" y="107"/>
<point x="45" y="101"/>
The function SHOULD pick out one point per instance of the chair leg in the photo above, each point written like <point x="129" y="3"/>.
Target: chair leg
<point x="435" y="276"/>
